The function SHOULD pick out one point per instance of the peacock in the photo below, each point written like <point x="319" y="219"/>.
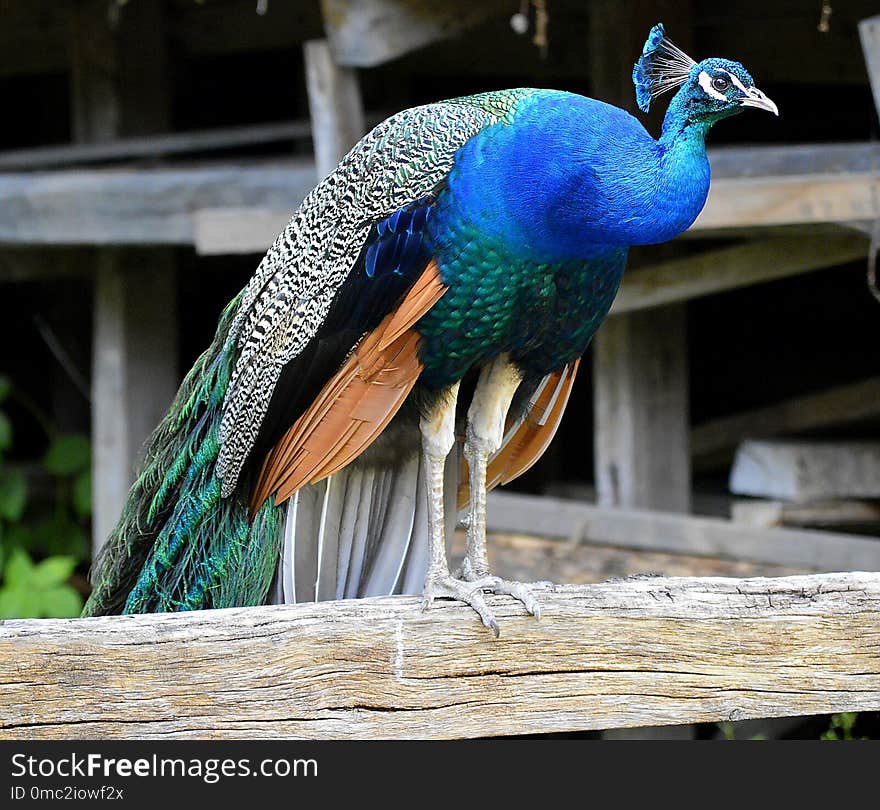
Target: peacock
<point x="409" y="342"/>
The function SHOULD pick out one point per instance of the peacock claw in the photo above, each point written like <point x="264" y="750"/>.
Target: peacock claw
<point x="470" y="592"/>
<point x="466" y="586"/>
<point x="520" y="591"/>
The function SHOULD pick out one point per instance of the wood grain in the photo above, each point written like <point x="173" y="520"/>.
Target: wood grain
<point x="646" y="651"/>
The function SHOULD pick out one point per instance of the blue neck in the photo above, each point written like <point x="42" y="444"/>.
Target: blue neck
<point x="573" y="178"/>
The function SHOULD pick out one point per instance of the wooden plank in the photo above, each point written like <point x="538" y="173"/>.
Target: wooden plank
<point x="715" y="271"/>
<point x="111" y="458"/>
<point x="178" y="143"/>
<point x="639" y="652"/>
<point x="134" y="369"/>
<point x="762" y="513"/>
<point x="869" y="34"/>
<point x="801" y="470"/>
<point x="640" y="392"/>
<point x="335" y="106"/>
<point x="798" y="199"/>
<point x="844" y="403"/>
<point x="793" y="159"/>
<point x="679" y="534"/>
<point x="236" y="230"/>
<point x="373" y="32"/>
<point x="140" y="206"/>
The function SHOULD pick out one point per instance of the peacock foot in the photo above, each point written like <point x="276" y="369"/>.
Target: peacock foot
<point x="446" y="586"/>
<point x="520" y="591"/>
<point x="469" y="588"/>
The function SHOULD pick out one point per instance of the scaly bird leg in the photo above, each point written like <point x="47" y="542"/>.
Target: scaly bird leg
<point x="438" y="437"/>
<point x="485" y="432"/>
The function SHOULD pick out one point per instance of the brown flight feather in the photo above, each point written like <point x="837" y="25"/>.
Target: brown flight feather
<point x="356" y="404"/>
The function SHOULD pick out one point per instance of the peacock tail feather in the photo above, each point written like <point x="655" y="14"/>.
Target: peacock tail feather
<point x="179" y="545"/>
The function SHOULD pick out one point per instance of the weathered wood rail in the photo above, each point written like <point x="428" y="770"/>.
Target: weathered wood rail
<point x="644" y="651"/>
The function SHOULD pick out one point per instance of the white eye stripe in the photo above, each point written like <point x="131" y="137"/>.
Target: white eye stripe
<point x="736" y="82"/>
<point x="706" y="83"/>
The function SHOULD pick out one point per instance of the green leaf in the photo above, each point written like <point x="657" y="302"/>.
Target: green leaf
<point x="18" y="568"/>
<point x="82" y="494"/>
<point x="5" y="387"/>
<point x="5" y="432"/>
<point x="68" y="455"/>
<point x="62" y="602"/>
<point x="52" y="571"/>
<point x="13" y="495"/>
<point x="35" y="591"/>
<point x="19" y="604"/>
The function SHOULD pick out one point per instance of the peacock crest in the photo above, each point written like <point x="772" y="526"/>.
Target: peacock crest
<point x="662" y="66"/>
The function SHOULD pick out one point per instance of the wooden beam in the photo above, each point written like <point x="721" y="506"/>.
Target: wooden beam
<point x="236" y="230"/>
<point x="680" y="534"/>
<point x="762" y="513"/>
<point x="716" y="439"/>
<point x="134" y="369"/>
<point x="793" y="159"/>
<point x="789" y="200"/>
<point x="647" y="651"/>
<point x="801" y="470"/>
<point x="140" y="206"/>
<point x="335" y="106"/>
<point x="373" y="32"/>
<point x="640" y="391"/>
<point x="729" y="268"/>
<point x="178" y="143"/>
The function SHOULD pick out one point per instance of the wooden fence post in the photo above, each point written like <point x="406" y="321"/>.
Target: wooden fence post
<point x="335" y="106"/>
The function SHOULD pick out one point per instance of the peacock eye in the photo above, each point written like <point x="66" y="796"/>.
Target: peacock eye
<point x="720" y="84"/>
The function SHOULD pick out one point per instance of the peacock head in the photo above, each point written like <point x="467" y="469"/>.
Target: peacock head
<point x="709" y="90"/>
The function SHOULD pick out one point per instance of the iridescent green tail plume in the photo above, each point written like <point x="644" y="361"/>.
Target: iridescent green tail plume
<point x="178" y="544"/>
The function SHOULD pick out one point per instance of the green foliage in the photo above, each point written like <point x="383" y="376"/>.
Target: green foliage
<point x="68" y="455"/>
<point x="35" y="591"/>
<point x="13" y="495"/>
<point x="841" y="727"/>
<point x="42" y="541"/>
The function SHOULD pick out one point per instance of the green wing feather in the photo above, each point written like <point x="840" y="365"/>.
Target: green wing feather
<point x="178" y="545"/>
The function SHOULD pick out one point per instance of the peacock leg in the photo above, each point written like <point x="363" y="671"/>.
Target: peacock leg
<point x="485" y="432"/>
<point x="438" y="437"/>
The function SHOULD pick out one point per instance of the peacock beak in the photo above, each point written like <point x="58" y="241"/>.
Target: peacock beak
<point x="755" y="98"/>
